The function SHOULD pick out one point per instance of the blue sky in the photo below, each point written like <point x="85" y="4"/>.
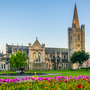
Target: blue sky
<point x="21" y="21"/>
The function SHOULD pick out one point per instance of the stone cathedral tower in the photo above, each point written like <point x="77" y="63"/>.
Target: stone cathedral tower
<point x="76" y="35"/>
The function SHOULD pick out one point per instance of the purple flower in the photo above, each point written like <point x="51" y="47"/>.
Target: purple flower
<point x="23" y="79"/>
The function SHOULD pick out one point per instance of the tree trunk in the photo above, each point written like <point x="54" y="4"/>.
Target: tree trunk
<point x="79" y="65"/>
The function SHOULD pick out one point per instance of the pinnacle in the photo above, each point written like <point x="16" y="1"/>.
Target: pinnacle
<point x="75" y="17"/>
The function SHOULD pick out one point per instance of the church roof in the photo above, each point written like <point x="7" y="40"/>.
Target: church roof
<point x="75" y="17"/>
<point x="58" y="50"/>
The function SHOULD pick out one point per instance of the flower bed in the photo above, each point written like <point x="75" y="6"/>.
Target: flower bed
<point x="48" y="83"/>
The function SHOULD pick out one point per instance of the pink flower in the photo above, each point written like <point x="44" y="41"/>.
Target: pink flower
<point x="23" y="79"/>
<point x="43" y="87"/>
<point x="1" y="82"/>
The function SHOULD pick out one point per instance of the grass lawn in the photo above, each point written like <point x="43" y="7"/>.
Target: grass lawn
<point x="7" y="77"/>
<point x="66" y="72"/>
<point x="6" y="72"/>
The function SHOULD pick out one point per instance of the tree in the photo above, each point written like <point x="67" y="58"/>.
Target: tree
<point x="79" y="57"/>
<point x="19" y="60"/>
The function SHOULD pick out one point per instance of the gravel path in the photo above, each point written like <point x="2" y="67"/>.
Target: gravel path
<point x="20" y="77"/>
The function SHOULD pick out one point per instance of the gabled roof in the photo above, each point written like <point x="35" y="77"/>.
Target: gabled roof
<point x="36" y="43"/>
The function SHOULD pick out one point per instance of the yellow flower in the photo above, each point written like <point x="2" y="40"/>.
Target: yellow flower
<point x="70" y="85"/>
<point x="5" y="83"/>
<point x="4" y="87"/>
<point x="33" y="76"/>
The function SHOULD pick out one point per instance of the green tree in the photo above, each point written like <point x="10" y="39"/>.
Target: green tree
<point x="19" y="60"/>
<point x="79" y="57"/>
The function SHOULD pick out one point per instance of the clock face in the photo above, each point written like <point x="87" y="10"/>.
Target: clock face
<point x="78" y="45"/>
<point x="36" y="47"/>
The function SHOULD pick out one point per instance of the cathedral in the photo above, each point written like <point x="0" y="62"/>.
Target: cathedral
<point x="40" y="57"/>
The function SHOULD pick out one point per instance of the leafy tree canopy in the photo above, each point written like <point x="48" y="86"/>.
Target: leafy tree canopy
<point x="18" y="60"/>
<point x="79" y="57"/>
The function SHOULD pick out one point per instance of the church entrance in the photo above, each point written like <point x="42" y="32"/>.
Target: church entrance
<point x="59" y="67"/>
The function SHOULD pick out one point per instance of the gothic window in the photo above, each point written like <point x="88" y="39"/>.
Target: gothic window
<point x="62" y="65"/>
<point x="34" y="56"/>
<point x="64" y="57"/>
<point x="39" y="57"/>
<point x="58" y="56"/>
<point x="52" y="66"/>
<point x="51" y="56"/>
<point x="78" y="37"/>
<point x="2" y="66"/>
<point x="66" y="65"/>
<point x="10" y="67"/>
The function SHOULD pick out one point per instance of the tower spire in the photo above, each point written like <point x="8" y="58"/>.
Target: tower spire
<point x="75" y="17"/>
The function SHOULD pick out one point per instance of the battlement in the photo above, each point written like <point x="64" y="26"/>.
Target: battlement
<point x="82" y="26"/>
<point x="69" y="29"/>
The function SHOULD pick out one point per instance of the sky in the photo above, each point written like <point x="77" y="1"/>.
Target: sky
<point x="21" y="21"/>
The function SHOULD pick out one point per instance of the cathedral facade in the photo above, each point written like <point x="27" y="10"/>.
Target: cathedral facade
<point x="41" y="57"/>
<point x="46" y="58"/>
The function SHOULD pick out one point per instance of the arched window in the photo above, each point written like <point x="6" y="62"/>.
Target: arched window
<point x="34" y="56"/>
<point x="66" y="65"/>
<point x="53" y="66"/>
<point x="78" y="37"/>
<point x="62" y="65"/>
<point x="51" y="56"/>
<point x="58" y="56"/>
<point x="39" y="58"/>
<point x="64" y="57"/>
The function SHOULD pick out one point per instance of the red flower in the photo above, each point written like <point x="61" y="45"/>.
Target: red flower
<point x="79" y="86"/>
<point x="83" y="87"/>
<point x="11" y="81"/>
<point x="85" y="79"/>
<point x="71" y="88"/>
<point x="60" y="80"/>
<point x="65" y="81"/>
<point x="30" y="88"/>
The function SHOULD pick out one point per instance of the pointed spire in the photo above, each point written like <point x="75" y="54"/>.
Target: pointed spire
<point x="75" y="17"/>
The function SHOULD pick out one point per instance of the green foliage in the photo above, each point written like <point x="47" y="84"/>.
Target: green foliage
<point x="18" y="60"/>
<point x="79" y="57"/>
